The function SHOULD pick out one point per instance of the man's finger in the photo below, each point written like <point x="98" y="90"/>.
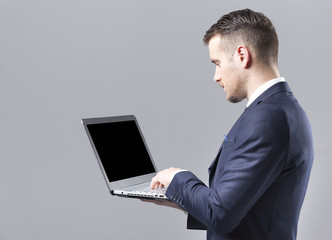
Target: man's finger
<point x="154" y="183"/>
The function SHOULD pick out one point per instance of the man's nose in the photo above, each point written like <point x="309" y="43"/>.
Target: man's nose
<point x="217" y="77"/>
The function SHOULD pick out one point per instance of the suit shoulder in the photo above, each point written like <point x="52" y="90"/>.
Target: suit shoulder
<point x="268" y="111"/>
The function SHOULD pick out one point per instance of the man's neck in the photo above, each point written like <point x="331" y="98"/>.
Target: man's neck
<point x="259" y="78"/>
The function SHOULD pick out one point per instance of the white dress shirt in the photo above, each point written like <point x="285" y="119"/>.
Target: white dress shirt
<point x="263" y="88"/>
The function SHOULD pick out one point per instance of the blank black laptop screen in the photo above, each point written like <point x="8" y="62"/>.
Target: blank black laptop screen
<point x="121" y="149"/>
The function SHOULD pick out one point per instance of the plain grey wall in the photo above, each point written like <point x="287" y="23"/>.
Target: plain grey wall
<point x="64" y="60"/>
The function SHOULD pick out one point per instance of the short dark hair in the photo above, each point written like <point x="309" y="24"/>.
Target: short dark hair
<point x="248" y="27"/>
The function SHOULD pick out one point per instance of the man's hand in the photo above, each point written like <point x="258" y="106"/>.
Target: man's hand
<point x="164" y="178"/>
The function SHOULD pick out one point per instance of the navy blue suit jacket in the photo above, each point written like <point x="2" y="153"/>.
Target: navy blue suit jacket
<point x="260" y="175"/>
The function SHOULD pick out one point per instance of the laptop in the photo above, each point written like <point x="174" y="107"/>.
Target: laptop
<point x="123" y="156"/>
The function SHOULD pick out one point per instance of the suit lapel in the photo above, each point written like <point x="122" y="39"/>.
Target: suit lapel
<point x="214" y="163"/>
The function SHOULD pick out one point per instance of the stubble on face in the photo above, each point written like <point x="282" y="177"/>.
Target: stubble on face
<point x="236" y="87"/>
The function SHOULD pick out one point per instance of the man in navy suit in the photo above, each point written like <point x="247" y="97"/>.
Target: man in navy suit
<point x="259" y="178"/>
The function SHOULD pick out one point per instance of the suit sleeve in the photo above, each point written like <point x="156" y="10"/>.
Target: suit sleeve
<point x="257" y="156"/>
<point x="193" y="224"/>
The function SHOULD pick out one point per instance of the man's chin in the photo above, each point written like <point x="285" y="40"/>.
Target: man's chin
<point x="234" y="99"/>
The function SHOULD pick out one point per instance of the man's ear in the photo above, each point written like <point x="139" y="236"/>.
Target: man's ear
<point x="244" y="56"/>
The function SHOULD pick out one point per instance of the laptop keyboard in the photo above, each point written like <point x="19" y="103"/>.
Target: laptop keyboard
<point x="147" y="190"/>
<point x="144" y="190"/>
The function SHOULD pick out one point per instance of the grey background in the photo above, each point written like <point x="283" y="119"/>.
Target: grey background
<point x="64" y="60"/>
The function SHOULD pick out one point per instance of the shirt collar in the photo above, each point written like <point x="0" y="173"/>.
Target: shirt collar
<point x="263" y="88"/>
